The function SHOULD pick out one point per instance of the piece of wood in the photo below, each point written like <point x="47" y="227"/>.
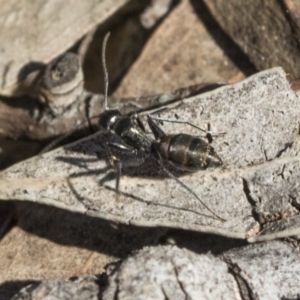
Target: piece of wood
<point x="261" y="271"/>
<point x="184" y="50"/>
<point x="263" y="30"/>
<point x="259" y="150"/>
<point x="34" y="32"/>
<point x="252" y="272"/>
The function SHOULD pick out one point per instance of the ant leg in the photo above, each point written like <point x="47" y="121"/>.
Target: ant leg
<point x="156" y="130"/>
<point x="187" y="123"/>
<point x="160" y="161"/>
<point x="131" y="158"/>
<point x="138" y="120"/>
<point x="118" y="166"/>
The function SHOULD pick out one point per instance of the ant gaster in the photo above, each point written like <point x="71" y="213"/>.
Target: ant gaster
<point x="185" y="152"/>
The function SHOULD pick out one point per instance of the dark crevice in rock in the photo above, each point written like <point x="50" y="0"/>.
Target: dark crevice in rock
<point x="286" y="146"/>
<point x="246" y="291"/>
<point x="180" y="283"/>
<point x="165" y="294"/>
<point x="247" y="193"/>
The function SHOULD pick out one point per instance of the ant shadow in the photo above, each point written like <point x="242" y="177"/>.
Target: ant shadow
<point x="93" y="150"/>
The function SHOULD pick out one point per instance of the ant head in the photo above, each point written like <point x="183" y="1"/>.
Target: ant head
<point x="108" y="118"/>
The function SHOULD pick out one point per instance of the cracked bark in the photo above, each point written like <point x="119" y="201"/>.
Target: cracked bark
<point x="260" y="148"/>
<point x="179" y="282"/>
<point x="246" y="291"/>
<point x="69" y="177"/>
<point x="168" y="272"/>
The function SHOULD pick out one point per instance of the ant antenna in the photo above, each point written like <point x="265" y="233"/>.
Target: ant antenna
<point x="105" y="69"/>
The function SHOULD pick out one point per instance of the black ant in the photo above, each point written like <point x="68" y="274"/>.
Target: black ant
<point x="183" y="151"/>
